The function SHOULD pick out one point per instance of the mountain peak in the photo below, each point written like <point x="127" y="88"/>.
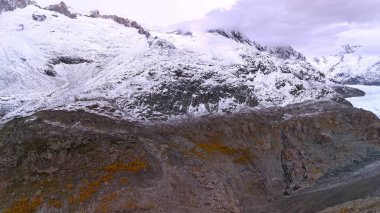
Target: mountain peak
<point x="349" y="49"/>
<point x="286" y="52"/>
<point x="232" y="34"/>
<point x="120" y="20"/>
<point x="61" y="8"/>
<point x="237" y="36"/>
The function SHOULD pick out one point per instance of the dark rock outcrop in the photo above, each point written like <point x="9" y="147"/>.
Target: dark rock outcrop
<point x="287" y="52"/>
<point x="238" y="37"/>
<point x="185" y="33"/>
<point x="122" y="21"/>
<point x="61" y="8"/>
<point x="348" y="92"/>
<point x="69" y="60"/>
<point x="50" y="70"/>
<point x="349" y="49"/>
<point x="247" y="162"/>
<point x="39" y="18"/>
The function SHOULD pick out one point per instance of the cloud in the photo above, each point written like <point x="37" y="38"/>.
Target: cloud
<point x="315" y="27"/>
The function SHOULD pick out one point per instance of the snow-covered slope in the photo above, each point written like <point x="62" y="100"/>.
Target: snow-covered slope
<point x="350" y="66"/>
<point x="51" y="61"/>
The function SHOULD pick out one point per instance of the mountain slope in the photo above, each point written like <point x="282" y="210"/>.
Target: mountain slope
<point x="111" y="66"/>
<point x="350" y="66"/>
<point x="247" y="162"/>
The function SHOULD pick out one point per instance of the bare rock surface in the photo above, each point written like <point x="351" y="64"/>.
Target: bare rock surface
<point x="257" y="161"/>
<point x="61" y="8"/>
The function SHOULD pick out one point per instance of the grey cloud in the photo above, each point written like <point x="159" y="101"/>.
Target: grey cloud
<point x="304" y="24"/>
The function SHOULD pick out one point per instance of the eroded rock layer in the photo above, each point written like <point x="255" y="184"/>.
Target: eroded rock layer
<point x="247" y="162"/>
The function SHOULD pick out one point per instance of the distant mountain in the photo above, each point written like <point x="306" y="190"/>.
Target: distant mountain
<point x="9" y="5"/>
<point x="350" y="66"/>
<point x="52" y="59"/>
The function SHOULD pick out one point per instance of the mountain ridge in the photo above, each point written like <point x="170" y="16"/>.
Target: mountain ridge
<point x="121" y="69"/>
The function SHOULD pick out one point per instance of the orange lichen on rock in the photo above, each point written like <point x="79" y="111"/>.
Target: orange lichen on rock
<point x="106" y="178"/>
<point x="241" y="160"/>
<point x="242" y="155"/>
<point x="69" y="187"/>
<point x="124" y="180"/>
<point x="131" y="207"/>
<point x="216" y="147"/>
<point x="104" y="202"/>
<point x="193" y="152"/>
<point x="86" y="191"/>
<point x="90" y="188"/>
<point x="25" y="205"/>
<point x="134" y="166"/>
<point x="55" y="203"/>
<point x="316" y="170"/>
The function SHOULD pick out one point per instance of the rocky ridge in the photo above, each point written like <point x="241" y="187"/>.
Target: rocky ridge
<point x="250" y="162"/>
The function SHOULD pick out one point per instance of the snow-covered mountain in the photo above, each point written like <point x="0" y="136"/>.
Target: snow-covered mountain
<point x="350" y="66"/>
<point x="113" y="66"/>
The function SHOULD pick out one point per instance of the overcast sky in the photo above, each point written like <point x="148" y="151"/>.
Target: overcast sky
<point x="314" y="27"/>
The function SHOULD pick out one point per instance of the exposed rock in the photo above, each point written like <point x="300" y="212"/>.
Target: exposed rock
<point x="38" y="17"/>
<point x="235" y="35"/>
<point x="348" y="92"/>
<point x="238" y="37"/>
<point x="20" y="27"/>
<point x="238" y="163"/>
<point x="161" y="43"/>
<point x="348" y="49"/>
<point x="120" y="20"/>
<point x="50" y="67"/>
<point x="50" y="70"/>
<point x="185" y="33"/>
<point x="287" y="52"/>
<point x="69" y="60"/>
<point x="61" y="8"/>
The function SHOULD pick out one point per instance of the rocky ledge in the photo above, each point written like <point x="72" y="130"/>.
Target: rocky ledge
<point x="66" y="161"/>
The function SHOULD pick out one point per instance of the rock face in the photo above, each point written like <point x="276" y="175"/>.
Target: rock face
<point x="248" y="162"/>
<point x="287" y="52"/>
<point x="61" y="8"/>
<point x="238" y="37"/>
<point x="348" y="92"/>
<point x="350" y="66"/>
<point x="122" y="21"/>
<point x="39" y="18"/>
